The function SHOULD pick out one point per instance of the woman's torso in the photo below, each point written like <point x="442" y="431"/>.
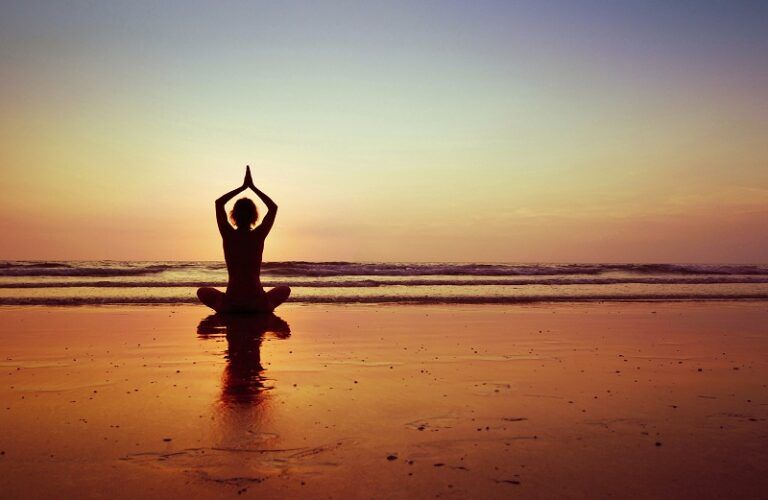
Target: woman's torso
<point x="243" y="253"/>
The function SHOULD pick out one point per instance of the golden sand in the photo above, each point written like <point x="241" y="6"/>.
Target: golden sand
<point x="546" y="401"/>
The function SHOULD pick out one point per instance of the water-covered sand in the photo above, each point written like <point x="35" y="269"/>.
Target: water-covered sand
<point x="546" y="401"/>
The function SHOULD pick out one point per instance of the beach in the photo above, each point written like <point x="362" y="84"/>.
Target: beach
<point x="471" y="250"/>
<point x="618" y="399"/>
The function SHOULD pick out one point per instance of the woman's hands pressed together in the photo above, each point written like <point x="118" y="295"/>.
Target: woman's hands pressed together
<point x="248" y="182"/>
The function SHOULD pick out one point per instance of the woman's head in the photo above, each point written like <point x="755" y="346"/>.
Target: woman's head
<point x="244" y="213"/>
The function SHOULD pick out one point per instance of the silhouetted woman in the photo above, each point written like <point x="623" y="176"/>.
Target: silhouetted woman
<point x="243" y="249"/>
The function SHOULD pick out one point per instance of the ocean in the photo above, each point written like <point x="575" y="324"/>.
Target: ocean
<point x="164" y="282"/>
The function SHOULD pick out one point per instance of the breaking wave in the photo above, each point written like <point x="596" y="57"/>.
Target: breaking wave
<point x="331" y="269"/>
<point x="163" y="282"/>
<point x="57" y="269"/>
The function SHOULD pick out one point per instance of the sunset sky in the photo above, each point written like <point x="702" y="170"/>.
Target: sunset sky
<point x="573" y="131"/>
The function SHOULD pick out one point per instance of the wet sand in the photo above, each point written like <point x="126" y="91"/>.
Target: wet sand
<point x="540" y="401"/>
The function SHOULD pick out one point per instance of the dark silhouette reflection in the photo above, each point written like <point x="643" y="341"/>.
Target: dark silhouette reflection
<point x="243" y="381"/>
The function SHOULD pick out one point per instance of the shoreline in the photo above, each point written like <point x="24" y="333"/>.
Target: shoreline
<point x="399" y="301"/>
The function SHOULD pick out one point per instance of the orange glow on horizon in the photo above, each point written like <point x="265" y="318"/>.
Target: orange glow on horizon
<point x="454" y="143"/>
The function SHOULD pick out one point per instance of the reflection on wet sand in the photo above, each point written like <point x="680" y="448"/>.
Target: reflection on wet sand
<point x="243" y="381"/>
<point x="242" y="448"/>
<point x="242" y="411"/>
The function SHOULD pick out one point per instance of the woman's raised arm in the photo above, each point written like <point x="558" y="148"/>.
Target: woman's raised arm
<point x="221" y="214"/>
<point x="269" y="219"/>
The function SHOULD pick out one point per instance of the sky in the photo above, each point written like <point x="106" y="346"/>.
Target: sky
<point x="488" y="131"/>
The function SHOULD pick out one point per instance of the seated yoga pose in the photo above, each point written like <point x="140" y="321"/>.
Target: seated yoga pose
<point x="243" y="249"/>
